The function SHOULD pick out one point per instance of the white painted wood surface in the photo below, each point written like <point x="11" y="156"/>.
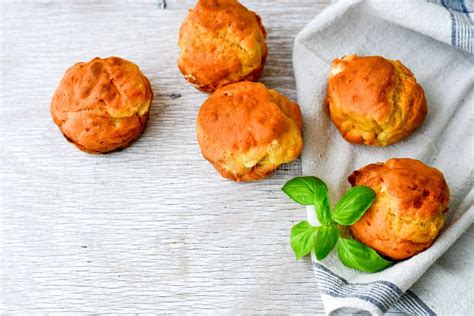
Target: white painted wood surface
<point x="152" y="228"/>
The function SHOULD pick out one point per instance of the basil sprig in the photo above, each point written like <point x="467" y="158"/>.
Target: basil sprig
<point x="322" y="239"/>
<point x="355" y="254"/>
<point x="355" y="202"/>
<point x="306" y="237"/>
<point x="310" y="191"/>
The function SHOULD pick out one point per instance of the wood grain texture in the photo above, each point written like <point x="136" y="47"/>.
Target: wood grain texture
<point x="152" y="228"/>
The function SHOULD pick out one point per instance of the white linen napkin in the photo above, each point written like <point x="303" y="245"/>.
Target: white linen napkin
<point x="420" y="34"/>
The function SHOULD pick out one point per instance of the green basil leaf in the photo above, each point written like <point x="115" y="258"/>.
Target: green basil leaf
<point x="355" y="254"/>
<point x="310" y="191"/>
<point x="321" y="203"/>
<point x="355" y="202"/>
<point x="324" y="240"/>
<point x="302" y="238"/>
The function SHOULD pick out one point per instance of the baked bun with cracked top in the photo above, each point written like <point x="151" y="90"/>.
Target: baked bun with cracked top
<point x="102" y="105"/>
<point x="246" y="130"/>
<point x="373" y="100"/>
<point x="408" y="212"/>
<point x="221" y="42"/>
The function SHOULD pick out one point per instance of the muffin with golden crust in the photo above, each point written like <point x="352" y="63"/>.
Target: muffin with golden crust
<point x="408" y="212"/>
<point x="246" y="130"/>
<point x="221" y="42"/>
<point x="102" y="105"/>
<point x="373" y="100"/>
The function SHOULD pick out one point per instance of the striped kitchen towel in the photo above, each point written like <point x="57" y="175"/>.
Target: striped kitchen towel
<point x="433" y="39"/>
<point x="461" y="13"/>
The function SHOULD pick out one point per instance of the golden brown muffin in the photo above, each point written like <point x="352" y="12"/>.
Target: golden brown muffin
<point x="408" y="212"/>
<point x="246" y="130"/>
<point x="373" y="100"/>
<point x="221" y="42"/>
<point x="102" y="105"/>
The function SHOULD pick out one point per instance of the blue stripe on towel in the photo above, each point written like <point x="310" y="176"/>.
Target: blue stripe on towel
<point x="411" y="304"/>
<point x="382" y="294"/>
<point x="462" y="31"/>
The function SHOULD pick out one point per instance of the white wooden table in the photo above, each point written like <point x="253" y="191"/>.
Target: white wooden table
<point x="152" y="228"/>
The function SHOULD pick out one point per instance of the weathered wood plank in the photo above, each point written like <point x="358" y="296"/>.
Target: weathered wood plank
<point x="152" y="228"/>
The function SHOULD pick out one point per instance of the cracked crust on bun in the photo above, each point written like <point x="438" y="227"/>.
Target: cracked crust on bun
<point x="246" y="130"/>
<point x="374" y="101"/>
<point x="102" y="105"/>
<point x="221" y="42"/>
<point x="408" y="212"/>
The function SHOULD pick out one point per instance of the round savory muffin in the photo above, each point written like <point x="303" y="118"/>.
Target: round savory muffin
<point x="246" y="130"/>
<point x="373" y="100"/>
<point x="102" y="105"/>
<point x="221" y="42"/>
<point x="408" y="212"/>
